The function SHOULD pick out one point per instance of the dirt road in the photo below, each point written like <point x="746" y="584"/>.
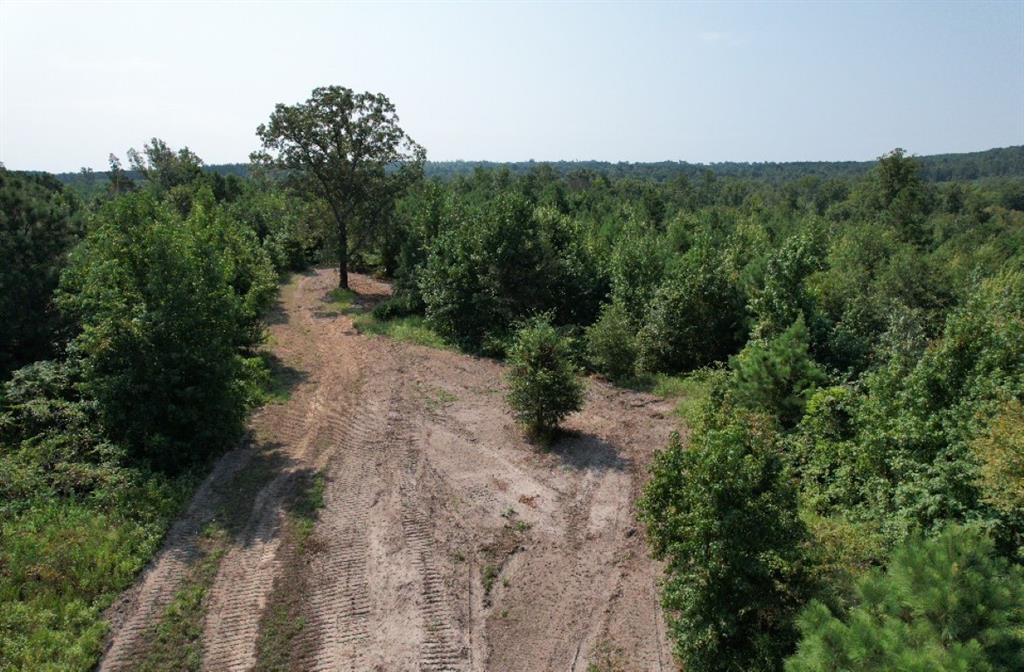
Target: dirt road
<point x="445" y="540"/>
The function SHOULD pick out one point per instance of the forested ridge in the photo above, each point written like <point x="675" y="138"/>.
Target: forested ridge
<point x="993" y="163"/>
<point x="846" y="343"/>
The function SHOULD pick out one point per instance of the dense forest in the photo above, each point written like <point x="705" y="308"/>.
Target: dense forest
<point x="850" y="356"/>
<point x="846" y="342"/>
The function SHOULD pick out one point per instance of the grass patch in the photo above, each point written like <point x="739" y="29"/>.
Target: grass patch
<point x="176" y="641"/>
<point x="488" y="576"/>
<point x="279" y="628"/>
<point x="690" y="391"/>
<point x="343" y="302"/>
<point x="436" y="398"/>
<point x="269" y="380"/>
<point x="410" y="328"/>
<point x="64" y="560"/>
<point x="607" y="658"/>
<point x="305" y="506"/>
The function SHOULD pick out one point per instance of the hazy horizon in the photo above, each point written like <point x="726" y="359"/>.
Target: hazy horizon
<point x="124" y="161"/>
<point x="699" y="83"/>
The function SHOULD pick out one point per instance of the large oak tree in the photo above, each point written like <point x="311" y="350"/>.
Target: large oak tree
<point x="348" y="146"/>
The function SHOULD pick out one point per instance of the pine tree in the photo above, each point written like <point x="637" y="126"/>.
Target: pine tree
<point x="544" y="384"/>
<point x="945" y="603"/>
<point x="777" y="376"/>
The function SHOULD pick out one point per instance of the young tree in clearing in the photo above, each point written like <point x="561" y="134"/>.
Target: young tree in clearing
<point x="544" y="385"/>
<point x="346" y="145"/>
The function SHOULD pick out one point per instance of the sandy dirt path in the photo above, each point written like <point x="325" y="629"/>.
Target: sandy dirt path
<point x="446" y="541"/>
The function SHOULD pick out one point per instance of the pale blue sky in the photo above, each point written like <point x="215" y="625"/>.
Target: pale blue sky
<point x="635" y="82"/>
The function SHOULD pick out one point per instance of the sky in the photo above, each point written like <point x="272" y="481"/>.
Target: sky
<point x="517" y="81"/>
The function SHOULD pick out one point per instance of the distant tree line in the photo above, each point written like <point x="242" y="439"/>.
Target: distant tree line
<point x="1004" y="162"/>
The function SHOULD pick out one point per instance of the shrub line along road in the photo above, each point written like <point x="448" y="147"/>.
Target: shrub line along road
<point x="445" y="541"/>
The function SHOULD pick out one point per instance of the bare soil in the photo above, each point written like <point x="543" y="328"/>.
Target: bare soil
<point x="446" y="540"/>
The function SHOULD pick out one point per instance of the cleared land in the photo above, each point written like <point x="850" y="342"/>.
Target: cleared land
<point x="441" y="539"/>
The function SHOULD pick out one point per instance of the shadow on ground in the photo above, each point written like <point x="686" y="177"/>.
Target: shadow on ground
<point x="269" y="479"/>
<point x="283" y="378"/>
<point x="583" y="451"/>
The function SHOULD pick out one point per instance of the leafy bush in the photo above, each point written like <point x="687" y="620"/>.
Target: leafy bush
<point x="611" y="343"/>
<point x="1000" y="449"/>
<point x="544" y="384"/>
<point x="481" y="274"/>
<point x="401" y="305"/>
<point x="945" y="603"/>
<point x="722" y="513"/>
<point x="166" y="309"/>
<point x="696" y="318"/>
<point x="637" y="267"/>
<point x="52" y="445"/>
<point x="501" y="263"/>
<point x="285" y="226"/>
<point x="783" y="297"/>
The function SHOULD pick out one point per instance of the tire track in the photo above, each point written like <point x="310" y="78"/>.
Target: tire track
<point x="167" y="573"/>
<point x="339" y="600"/>
<point x="247" y="572"/>
<point x="246" y="579"/>
<point x="439" y="650"/>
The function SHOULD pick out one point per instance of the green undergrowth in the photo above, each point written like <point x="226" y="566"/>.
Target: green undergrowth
<point x="270" y="380"/>
<point x="343" y="301"/>
<point x="409" y="328"/>
<point x="305" y="506"/>
<point x="691" y="392"/>
<point x="63" y="560"/>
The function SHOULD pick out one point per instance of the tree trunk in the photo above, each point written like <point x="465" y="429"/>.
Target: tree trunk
<point x="342" y="255"/>
<point x="342" y="222"/>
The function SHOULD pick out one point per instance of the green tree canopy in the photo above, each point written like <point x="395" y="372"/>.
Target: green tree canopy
<point x="39" y="223"/>
<point x="777" y="376"/>
<point x="722" y="513"/>
<point x="346" y="145"/>
<point x="166" y="308"/>
<point x="695" y="318"/>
